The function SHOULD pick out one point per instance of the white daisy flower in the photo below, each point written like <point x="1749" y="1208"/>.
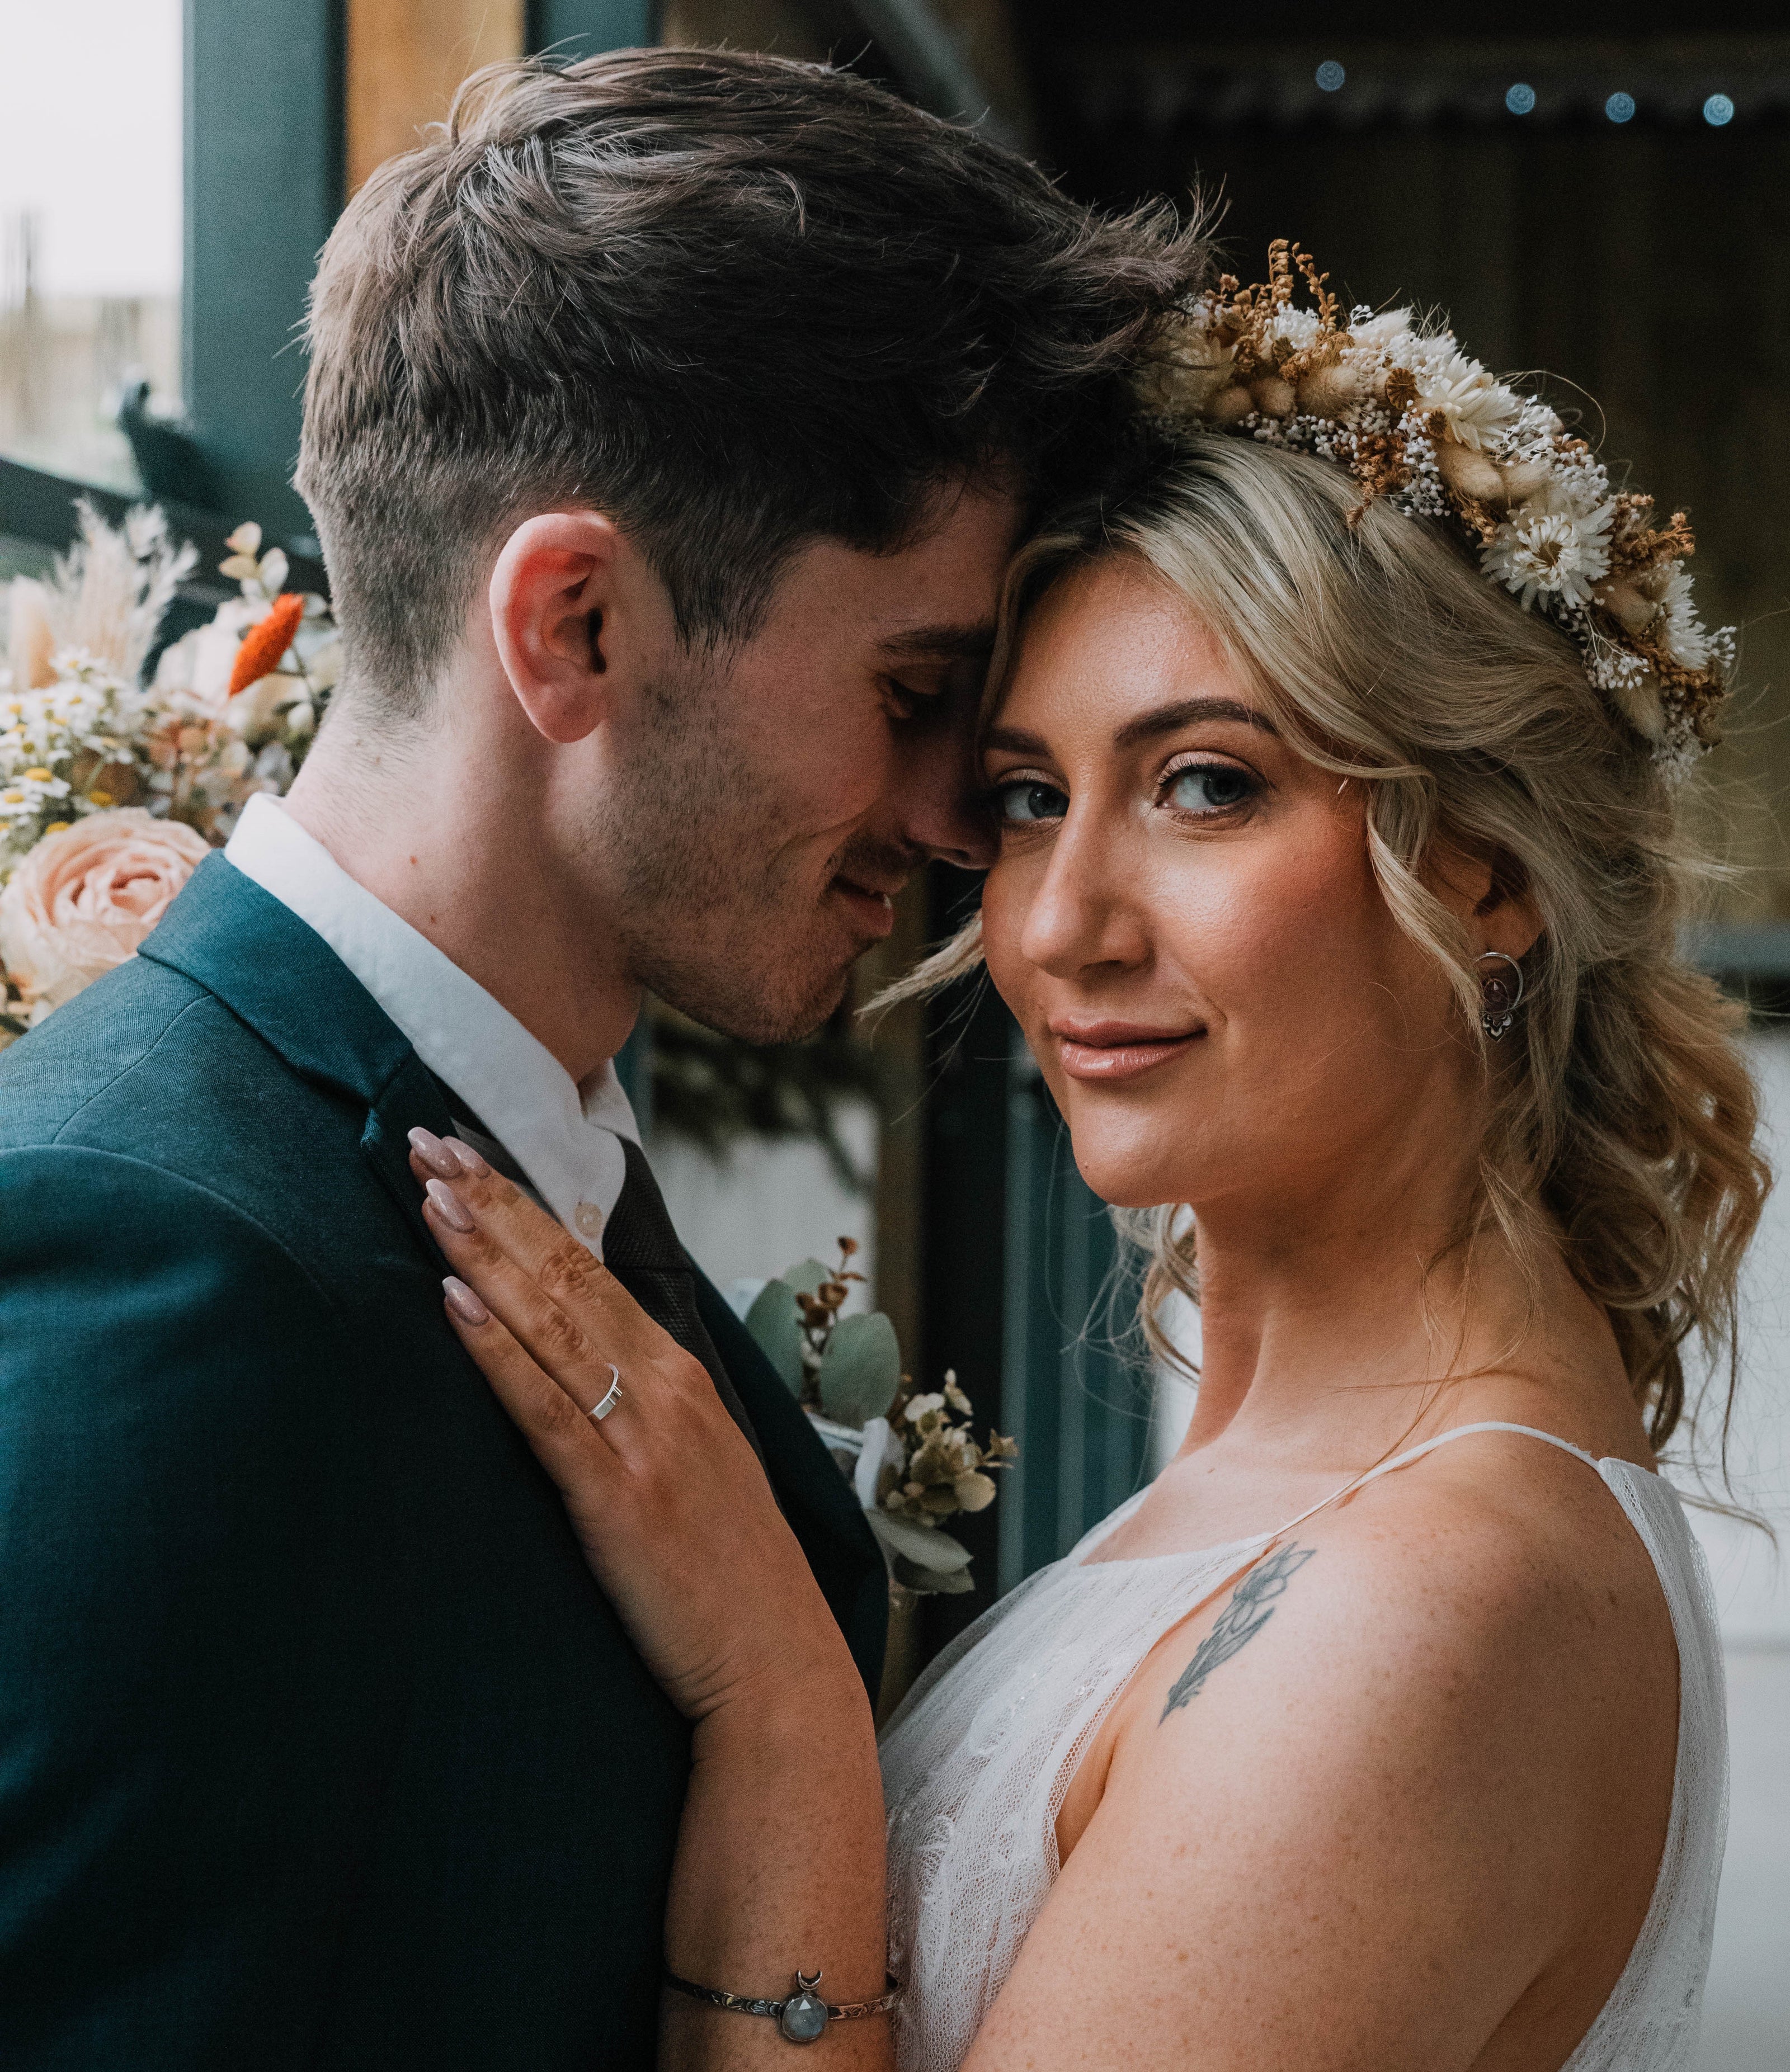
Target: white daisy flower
<point x="1681" y="633"/>
<point x="1474" y="407"/>
<point x="1553" y="555"/>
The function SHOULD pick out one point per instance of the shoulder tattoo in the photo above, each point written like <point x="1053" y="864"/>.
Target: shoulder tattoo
<point x="1251" y="1607"/>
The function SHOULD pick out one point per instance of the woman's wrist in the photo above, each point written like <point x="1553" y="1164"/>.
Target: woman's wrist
<point x="807" y="1703"/>
<point x="806" y="1674"/>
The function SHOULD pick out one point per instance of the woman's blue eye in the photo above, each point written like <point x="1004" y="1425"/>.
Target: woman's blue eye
<point x="1210" y="787"/>
<point x="1029" y="801"/>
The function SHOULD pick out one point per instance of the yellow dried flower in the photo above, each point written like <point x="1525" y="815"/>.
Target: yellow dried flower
<point x="974" y="1491"/>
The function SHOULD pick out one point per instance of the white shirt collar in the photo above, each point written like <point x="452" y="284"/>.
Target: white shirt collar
<point x="566" y="1138"/>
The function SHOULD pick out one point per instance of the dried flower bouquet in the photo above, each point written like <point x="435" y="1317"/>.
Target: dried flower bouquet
<point x="114" y="788"/>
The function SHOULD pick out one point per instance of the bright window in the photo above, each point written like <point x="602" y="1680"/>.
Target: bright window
<point x="90" y="226"/>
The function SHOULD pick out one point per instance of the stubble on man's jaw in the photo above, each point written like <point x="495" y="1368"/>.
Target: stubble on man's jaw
<point x="716" y="915"/>
<point x="754" y="984"/>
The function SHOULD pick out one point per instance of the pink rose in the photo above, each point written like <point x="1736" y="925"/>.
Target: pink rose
<point x="83" y="899"/>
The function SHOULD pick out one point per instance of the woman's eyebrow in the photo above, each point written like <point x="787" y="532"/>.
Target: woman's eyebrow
<point x="1015" y="741"/>
<point x="1147" y="726"/>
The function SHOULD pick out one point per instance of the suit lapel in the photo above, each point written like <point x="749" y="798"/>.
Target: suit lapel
<point x="412" y="1095"/>
<point x="276" y="973"/>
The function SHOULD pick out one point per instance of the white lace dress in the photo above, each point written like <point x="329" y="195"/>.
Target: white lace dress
<point x="977" y="1761"/>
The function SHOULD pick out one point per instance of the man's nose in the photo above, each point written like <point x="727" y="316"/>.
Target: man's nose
<point x="940" y="806"/>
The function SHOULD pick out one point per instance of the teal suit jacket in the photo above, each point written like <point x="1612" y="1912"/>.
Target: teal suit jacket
<point x="319" y="1746"/>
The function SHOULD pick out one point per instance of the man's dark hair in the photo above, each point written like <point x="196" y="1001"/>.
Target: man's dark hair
<point x="736" y="302"/>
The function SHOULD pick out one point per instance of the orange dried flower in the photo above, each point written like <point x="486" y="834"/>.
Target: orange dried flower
<point x="263" y="645"/>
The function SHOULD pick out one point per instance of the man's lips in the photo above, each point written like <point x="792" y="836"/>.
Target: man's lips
<point x="872" y="911"/>
<point x="1118" y="1050"/>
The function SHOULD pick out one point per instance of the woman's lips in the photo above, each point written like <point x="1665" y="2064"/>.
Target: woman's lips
<point x="1118" y="1051"/>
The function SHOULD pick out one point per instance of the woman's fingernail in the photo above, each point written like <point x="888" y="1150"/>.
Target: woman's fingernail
<point x="449" y="1206"/>
<point x="434" y="1154"/>
<point x="470" y="1161"/>
<point x="465" y="1305"/>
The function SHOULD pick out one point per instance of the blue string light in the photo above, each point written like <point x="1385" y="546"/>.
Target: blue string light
<point x="1520" y="100"/>
<point x="1620" y="107"/>
<point x="1717" y="109"/>
<point x="1330" y="76"/>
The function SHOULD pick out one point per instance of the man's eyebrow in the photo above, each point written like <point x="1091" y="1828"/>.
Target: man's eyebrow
<point x="941" y="644"/>
<point x="1165" y="719"/>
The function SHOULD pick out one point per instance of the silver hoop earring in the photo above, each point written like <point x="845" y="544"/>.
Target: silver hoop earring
<point x="1500" y="996"/>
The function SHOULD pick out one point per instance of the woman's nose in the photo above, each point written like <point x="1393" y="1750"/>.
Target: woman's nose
<point x="1086" y="911"/>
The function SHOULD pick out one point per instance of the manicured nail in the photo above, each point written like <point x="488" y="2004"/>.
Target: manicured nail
<point x="470" y="1161"/>
<point x="450" y="1207"/>
<point x="465" y="1305"/>
<point x="434" y="1154"/>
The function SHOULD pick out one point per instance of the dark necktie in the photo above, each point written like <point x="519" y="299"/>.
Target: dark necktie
<point x="643" y="1252"/>
<point x="640" y="1247"/>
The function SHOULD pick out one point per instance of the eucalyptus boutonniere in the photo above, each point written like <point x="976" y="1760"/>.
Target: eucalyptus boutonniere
<point x="911" y="1456"/>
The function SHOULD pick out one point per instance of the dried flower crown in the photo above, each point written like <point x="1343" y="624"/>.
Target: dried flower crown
<point x="1418" y="423"/>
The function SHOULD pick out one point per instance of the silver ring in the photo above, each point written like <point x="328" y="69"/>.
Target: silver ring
<point x="611" y="1397"/>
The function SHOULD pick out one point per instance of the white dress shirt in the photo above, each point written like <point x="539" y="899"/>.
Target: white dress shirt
<point x="565" y="1138"/>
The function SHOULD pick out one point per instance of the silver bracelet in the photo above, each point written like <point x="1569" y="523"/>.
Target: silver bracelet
<point x="803" y="2017"/>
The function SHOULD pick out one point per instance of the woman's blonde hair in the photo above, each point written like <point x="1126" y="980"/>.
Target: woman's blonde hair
<point x="1622" y="1127"/>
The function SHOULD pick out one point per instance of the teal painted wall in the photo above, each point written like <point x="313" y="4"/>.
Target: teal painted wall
<point x="264" y="178"/>
<point x="578" y="28"/>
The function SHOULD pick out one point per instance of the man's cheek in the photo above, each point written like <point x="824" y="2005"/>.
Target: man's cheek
<point x="842" y="781"/>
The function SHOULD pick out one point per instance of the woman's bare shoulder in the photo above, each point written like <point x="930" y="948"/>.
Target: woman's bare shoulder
<point x="1426" y="1738"/>
<point x="1483" y="1631"/>
<point x="1499" y="1562"/>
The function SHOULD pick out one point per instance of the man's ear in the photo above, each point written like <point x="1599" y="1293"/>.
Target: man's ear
<point x="576" y="614"/>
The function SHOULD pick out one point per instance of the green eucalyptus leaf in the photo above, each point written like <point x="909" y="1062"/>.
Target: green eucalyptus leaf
<point x="861" y="1369"/>
<point x="773" y="1321"/>
<point x="805" y="1279"/>
<point x="925" y="1546"/>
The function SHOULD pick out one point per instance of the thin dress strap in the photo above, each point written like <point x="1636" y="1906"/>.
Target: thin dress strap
<point x="1417" y="1453"/>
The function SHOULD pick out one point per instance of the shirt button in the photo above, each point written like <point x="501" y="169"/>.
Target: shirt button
<point x="589" y="1219"/>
